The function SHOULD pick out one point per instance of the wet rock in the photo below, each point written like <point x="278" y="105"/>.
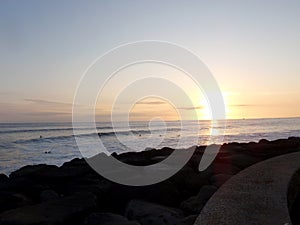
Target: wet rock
<point x="62" y="211"/>
<point x="195" y="204"/>
<point x="153" y="214"/>
<point x="108" y="219"/>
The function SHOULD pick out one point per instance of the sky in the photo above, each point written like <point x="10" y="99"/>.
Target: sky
<point x="251" y="48"/>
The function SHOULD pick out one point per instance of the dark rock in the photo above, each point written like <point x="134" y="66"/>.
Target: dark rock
<point x="188" y="181"/>
<point x="224" y="168"/>
<point x="48" y="195"/>
<point x="195" y="181"/>
<point x="189" y="220"/>
<point x="23" y="185"/>
<point x="152" y="214"/>
<point x="47" y="173"/>
<point x="62" y="211"/>
<point x="263" y="141"/>
<point x="219" y="179"/>
<point x="196" y="203"/>
<point x="165" y="193"/>
<point x="9" y="201"/>
<point x="242" y="160"/>
<point x="108" y="219"/>
<point x="3" y="177"/>
<point x="32" y="170"/>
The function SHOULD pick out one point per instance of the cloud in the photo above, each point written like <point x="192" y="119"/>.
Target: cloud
<point x="242" y="105"/>
<point x="46" y="102"/>
<point x="48" y="113"/>
<point x="151" y="103"/>
<point x="191" y="108"/>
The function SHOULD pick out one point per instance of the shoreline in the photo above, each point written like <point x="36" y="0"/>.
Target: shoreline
<point x="74" y="194"/>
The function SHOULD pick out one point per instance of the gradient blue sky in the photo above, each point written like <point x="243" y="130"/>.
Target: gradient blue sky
<point x="251" y="47"/>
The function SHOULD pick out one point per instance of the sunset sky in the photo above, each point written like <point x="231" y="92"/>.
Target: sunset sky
<point x="252" y="48"/>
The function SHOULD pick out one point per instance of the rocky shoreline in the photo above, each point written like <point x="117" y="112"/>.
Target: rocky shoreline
<point x="75" y="194"/>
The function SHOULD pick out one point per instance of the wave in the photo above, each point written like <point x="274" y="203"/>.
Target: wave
<point x="99" y="134"/>
<point x="50" y="130"/>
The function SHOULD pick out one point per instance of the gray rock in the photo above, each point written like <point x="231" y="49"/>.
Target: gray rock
<point x="196" y="203"/>
<point x="108" y="219"/>
<point x="153" y="214"/>
<point x="62" y="211"/>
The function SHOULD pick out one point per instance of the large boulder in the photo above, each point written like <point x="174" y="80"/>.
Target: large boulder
<point x="153" y="214"/>
<point x="62" y="211"/>
<point x="195" y="204"/>
<point x="108" y="219"/>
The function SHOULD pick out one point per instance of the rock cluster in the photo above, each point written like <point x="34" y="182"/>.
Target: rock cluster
<point x="75" y="194"/>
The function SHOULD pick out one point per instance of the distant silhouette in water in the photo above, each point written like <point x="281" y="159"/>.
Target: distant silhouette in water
<point x="41" y="136"/>
<point x="47" y="152"/>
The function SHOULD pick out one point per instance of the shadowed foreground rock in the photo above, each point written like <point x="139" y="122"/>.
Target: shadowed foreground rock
<point x="108" y="219"/>
<point x="65" y="210"/>
<point x="75" y="194"/>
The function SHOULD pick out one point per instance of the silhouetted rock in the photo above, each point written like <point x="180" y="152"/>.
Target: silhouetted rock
<point x="9" y="201"/>
<point x="45" y="194"/>
<point x="219" y="179"/>
<point x="3" y="177"/>
<point x="153" y="214"/>
<point x="108" y="219"/>
<point x="33" y="171"/>
<point x="48" y="195"/>
<point x="194" y="204"/>
<point x="23" y="185"/>
<point x="225" y="168"/>
<point x="242" y="160"/>
<point x="189" y="220"/>
<point x="61" y="211"/>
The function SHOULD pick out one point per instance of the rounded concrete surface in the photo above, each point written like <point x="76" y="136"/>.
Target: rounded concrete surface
<point x="255" y="196"/>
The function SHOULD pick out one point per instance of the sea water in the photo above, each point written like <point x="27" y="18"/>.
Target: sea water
<point x="54" y="143"/>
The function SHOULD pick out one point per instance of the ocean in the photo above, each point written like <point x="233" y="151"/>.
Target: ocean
<point x="54" y="143"/>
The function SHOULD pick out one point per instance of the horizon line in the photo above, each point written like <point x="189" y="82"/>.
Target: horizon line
<point x="251" y="118"/>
